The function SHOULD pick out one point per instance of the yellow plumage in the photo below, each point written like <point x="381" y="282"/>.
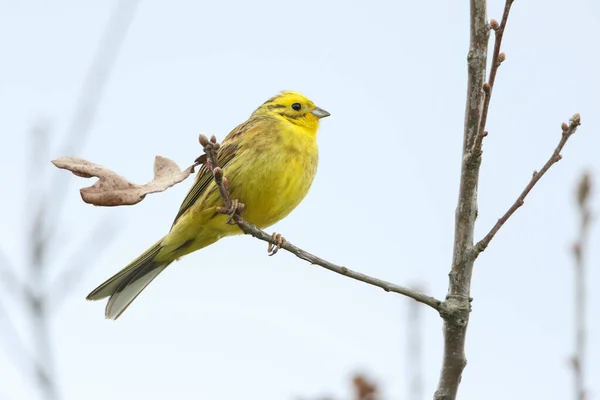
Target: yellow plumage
<point x="270" y="161"/>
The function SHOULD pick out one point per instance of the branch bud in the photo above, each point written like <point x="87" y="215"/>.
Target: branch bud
<point x="501" y="58"/>
<point x="487" y="88"/>
<point x="218" y="172"/>
<point x="564" y="127"/>
<point x="494" y="24"/>
<point x="203" y="140"/>
<point x="213" y="139"/>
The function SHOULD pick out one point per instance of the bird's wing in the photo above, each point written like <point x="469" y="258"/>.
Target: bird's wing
<point x="225" y="155"/>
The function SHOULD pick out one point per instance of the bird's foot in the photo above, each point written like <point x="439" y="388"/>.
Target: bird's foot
<point x="274" y="248"/>
<point x="235" y="208"/>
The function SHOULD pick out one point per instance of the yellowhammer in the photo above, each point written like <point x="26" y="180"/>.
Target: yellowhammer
<point x="270" y="161"/>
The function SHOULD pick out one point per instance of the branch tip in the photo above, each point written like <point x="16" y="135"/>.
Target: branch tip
<point x="203" y="140"/>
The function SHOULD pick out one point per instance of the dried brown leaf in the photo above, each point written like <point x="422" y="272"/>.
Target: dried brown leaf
<point x="114" y="190"/>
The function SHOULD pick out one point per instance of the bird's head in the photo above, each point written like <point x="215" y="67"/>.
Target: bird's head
<point x="295" y="108"/>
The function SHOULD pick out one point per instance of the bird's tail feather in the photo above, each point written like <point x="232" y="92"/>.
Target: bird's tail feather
<point x="127" y="284"/>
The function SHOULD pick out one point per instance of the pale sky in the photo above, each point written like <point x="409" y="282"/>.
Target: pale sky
<point x="228" y="322"/>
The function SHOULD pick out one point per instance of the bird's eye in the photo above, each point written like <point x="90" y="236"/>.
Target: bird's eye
<point x="296" y="106"/>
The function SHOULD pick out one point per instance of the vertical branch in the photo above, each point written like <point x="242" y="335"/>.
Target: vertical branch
<point x="457" y="305"/>
<point x="36" y="302"/>
<point x="35" y="296"/>
<point x="414" y="364"/>
<point x="579" y="247"/>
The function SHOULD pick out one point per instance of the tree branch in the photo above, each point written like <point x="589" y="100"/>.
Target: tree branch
<point x="210" y="148"/>
<point x="567" y="132"/>
<point x="579" y="248"/>
<point x="456" y="308"/>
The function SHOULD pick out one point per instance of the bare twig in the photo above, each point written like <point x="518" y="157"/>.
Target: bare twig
<point x="210" y="148"/>
<point x="456" y="308"/>
<point x="579" y="248"/>
<point x="567" y="132"/>
<point x="497" y="59"/>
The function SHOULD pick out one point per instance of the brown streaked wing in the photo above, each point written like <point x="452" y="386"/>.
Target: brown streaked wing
<point x="225" y="155"/>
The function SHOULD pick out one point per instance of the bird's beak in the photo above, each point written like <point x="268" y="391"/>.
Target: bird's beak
<point x="320" y="113"/>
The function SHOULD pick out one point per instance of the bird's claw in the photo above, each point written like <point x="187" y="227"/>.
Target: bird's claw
<point x="235" y="208"/>
<point x="274" y="248"/>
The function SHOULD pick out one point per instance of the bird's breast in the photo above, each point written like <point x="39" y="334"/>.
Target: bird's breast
<point x="281" y="175"/>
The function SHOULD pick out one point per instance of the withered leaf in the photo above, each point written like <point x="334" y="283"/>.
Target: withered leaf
<point x="113" y="190"/>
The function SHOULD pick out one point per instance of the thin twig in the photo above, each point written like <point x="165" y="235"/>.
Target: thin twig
<point x="579" y="248"/>
<point x="497" y="59"/>
<point x="567" y="132"/>
<point x="457" y="307"/>
<point x="210" y="148"/>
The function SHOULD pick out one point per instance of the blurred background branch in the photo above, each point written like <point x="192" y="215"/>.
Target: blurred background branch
<point x="583" y="193"/>
<point x="45" y="205"/>
<point x="414" y="350"/>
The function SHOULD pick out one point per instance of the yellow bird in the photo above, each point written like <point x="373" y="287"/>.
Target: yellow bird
<point x="270" y="161"/>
